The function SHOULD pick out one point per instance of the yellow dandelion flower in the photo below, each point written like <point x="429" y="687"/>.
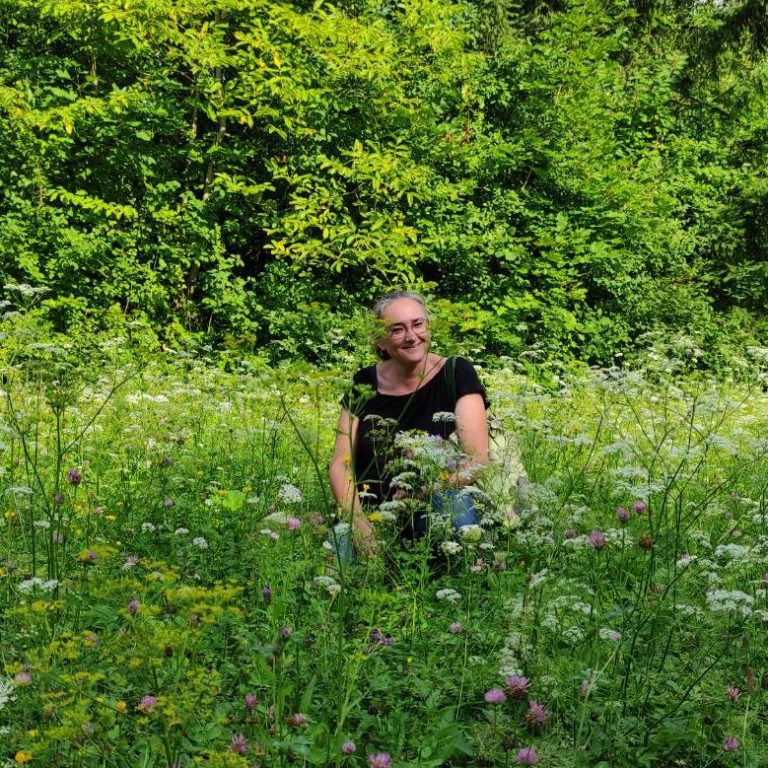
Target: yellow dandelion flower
<point x="121" y="707"/>
<point x="23" y="757"/>
<point x="375" y="517"/>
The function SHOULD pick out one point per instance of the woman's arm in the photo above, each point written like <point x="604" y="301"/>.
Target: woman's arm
<point x="472" y="431"/>
<point x="343" y="485"/>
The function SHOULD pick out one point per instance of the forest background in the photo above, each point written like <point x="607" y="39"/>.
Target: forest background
<point x="582" y="177"/>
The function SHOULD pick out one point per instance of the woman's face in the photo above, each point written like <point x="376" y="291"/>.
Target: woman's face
<point x="405" y="334"/>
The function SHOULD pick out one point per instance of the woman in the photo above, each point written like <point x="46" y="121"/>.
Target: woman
<point x="408" y="386"/>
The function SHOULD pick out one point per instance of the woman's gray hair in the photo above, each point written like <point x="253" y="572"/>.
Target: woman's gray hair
<point x="388" y="298"/>
<point x="380" y="307"/>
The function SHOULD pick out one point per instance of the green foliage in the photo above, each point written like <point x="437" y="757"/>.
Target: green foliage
<point x="565" y="170"/>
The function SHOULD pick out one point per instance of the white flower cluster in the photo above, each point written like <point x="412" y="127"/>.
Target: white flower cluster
<point x="730" y="601"/>
<point x="29" y="584"/>
<point x="330" y="585"/>
<point x="449" y="595"/>
<point x="6" y="691"/>
<point x="199" y="542"/>
<point x="289" y="494"/>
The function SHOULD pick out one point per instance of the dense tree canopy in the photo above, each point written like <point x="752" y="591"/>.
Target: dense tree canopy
<point x="573" y="173"/>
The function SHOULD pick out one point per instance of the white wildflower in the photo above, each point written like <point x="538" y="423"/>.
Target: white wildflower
<point x="7" y="692"/>
<point x="199" y="542"/>
<point x="289" y="494"/>
<point x="730" y="601"/>
<point x="731" y="551"/>
<point x="450" y="595"/>
<point x="451" y="547"/>
<point x="148" y="527"/>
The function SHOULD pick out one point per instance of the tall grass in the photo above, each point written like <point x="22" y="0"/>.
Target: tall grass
<point x="169" y="599"/>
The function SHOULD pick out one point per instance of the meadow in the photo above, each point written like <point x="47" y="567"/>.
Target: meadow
<point x="169" y="595"/>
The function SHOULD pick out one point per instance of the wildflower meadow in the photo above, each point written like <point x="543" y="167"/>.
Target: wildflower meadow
<point x="174" y="590"/>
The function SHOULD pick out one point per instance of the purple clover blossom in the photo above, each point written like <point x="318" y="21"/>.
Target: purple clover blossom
<point x="537" y="715"/>
<point x="348" y="748"/>
<point x="238" y="744"/>
<point x="168" y="503"/>
<point x="75" y="476"/>
<point x="380" y="760"/>
<point x="517" y="686"/>
<point x="293" y="523"/>
<point x="298" y="720"/>
<point x="134" y="606"/>
<point x="266" y="594"/>
<point x="622" y="514"/>
<point x="527" y="756"/>
<point x="596" y="539"/>
<point x="147" y="704"/>
<point x="732" y="692"/>
<point x="250" y="700"/>
<point x="639" y="507"/>
<point x="731" y="744"/>
<point x="456" y="628"/>
<point x="22" y="678"/>
<point x="495" y="696"/>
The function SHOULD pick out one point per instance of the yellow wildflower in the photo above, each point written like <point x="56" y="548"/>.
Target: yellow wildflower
<point x="23" y="757"/>
<point x="121" y="707"/>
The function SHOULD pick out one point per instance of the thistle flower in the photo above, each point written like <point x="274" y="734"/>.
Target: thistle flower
<point x="639" y="507"/>
<point x="238" y="744"/>
<point x="622" y="514"/>
<point x="536" y="716"/>
<point x="380" y="760"/>
<point x="527" y="756"/>
<point x="495" y="696"/>
<point x="517" y="686"/>
<point x="74" y="476"/>
<point x="596" y="539"/>
<point x="298" y="720"/>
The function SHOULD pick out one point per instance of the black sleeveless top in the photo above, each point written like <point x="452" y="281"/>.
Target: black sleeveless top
<point x="413" y="411"/>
